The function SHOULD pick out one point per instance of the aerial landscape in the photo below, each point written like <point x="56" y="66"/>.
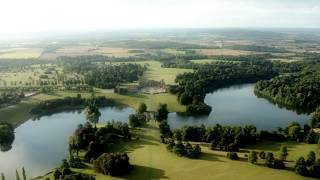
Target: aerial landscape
<point x="164" y="90"/>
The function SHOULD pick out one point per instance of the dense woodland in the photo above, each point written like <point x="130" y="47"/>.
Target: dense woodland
<point x="106" y="75"/>
<point x="299" y="89"/>
<point x="48" y="106"/>
<point x="257" y="48"/>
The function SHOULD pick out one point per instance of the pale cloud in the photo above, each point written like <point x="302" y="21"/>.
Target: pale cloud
<point x="49" y="15"/>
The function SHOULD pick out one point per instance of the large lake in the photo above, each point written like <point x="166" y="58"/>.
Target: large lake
<point x="41" y="144"/>
<point x="238" y="105"/>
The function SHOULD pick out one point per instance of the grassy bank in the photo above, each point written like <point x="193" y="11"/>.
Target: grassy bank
<point x="19" y="113"/>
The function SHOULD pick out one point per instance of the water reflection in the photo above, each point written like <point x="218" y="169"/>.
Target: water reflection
<point x="6" y="146"/>
<point x="7" y="136"/>
<point x="238" y="105"/>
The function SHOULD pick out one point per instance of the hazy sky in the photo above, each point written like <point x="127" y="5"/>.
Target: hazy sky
<point x="50" y="15"/>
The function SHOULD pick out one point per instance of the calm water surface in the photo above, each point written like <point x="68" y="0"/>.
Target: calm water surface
<point x="238" y="105"/>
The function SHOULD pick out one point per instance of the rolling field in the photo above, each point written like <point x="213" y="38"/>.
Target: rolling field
<point x="133" y="100"/>
<point x="295" y="149"/>
<point x="151" y="160"/>
<point x="157" y="73"/>
<point x="20" y="53"/>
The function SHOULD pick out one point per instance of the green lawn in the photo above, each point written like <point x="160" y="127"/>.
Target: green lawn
<point x="157" y="73"/>
<point x="295" y="149"/>
<point x="151" y="160"/>
<point x="133" y="100"/>
<point x="16" y="114"/>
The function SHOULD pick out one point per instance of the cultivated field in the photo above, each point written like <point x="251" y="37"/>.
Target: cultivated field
<point x="217" y="52"/>
<point x="20" y="53"/>
<point x="84" y="50"/>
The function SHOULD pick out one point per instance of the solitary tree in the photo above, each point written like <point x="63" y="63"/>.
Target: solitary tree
<point x="283" y="152"/>
<point x="142" y="108"/>
<point x="177" y="135"/>
<point x="92" y="113"/>
<point x="294" y="131"/>
<point x="134" y="121"/>
<point x="269" y="159"/>
<point x="315" y="118"/>
<point x="24" y="174"/>
<point x="311" y="137"/>
<point x="262" y="155"/>
<point x="300" y="167"/>
<point x="3" y="177"/>
<point x="17" y="175"/>
<point x="311" y="158"/>
<point x="74" y="145"/>
<point x="253" y="157"/>
<point x="162" y="113"/>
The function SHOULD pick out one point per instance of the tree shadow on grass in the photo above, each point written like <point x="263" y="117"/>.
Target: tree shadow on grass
<point x="136" y="95"/>
<point x="273" y="145"/>
<point x="132" y="145"/>
<point x="139" y="172"/>
<point x="149" y="138"/>
<point x="210" y="157"/>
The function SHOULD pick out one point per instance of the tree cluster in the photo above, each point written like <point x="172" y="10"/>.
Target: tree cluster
<point x="95" y="141"/>
<point x="10" y="97"/>
<point x="268" y="158"/>
<point x="113" y="164"/>
<point x="65" y="173"/>
<point x="232" y="155"/>
<point x="182" y="149"/>
<point x="50" y="105"/>
<point x="308" y="167"/>
<point x="6" y="136"/>
<point x="162" y="112"/>
<point x="221" y="137"/>
<point x="139" y="118"/>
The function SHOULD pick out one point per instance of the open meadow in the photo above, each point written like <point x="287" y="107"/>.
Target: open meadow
<point x="158" y="73"/>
